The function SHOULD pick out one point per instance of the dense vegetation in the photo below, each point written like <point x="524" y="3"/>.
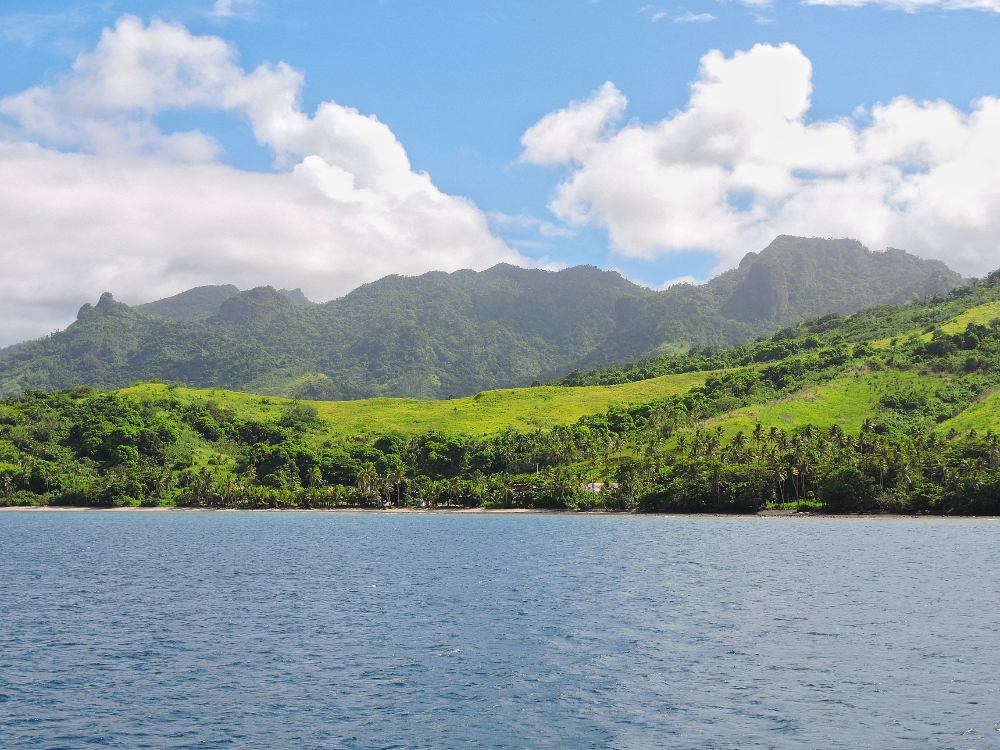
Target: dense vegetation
<point x="429" y="336"/>
<point x="793" y="278"/>
<point x="455" y="334"/>
<point x="880" y="322"/>
<point x="194" y="304"/>
<point x="203" y="302"/>
<point x="843" y="414"/>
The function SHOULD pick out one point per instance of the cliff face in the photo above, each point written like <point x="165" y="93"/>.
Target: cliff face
<point x="762" y="295"/>
<point x="260" y="304"/>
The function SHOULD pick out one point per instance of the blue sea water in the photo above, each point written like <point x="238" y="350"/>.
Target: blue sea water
<point x="367" y="630"/>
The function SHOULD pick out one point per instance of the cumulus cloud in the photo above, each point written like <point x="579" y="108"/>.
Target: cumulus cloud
<point x="569" y="134"/>
<point x="742" y="163"/>
<point x="94" y="196"/>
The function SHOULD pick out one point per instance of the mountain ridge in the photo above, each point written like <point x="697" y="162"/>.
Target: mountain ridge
<point x="790" y="279"/>
<point x="458" y="333"/>
<point x="203" y="302"/>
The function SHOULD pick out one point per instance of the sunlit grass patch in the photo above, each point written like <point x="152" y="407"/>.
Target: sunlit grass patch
<point x="483" y="414"/>
<point x="846" y="401"/>
<point x="981" y="416"/>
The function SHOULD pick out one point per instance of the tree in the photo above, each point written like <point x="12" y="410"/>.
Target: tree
<point x="368" y="483"/>
<point x="454" y="490"/>
<point x="396" y="476"/>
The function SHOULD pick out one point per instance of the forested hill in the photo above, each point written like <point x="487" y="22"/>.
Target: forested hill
<point x="427" y="336"/>
<point x="204" y="302"/>
<point x="791" y="279"/>
<point x="445" y="334"/>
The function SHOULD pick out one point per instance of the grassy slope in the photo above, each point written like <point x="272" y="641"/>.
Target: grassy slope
<point x="981" y="314"/>
<point x="981" y="417"/>
<point x="483" y="414"/>
<point x="846" y="401"/>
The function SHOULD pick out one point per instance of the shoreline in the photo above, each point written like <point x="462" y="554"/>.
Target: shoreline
<point x="485" y="511"/>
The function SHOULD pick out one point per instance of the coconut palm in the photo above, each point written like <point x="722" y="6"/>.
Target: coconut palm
<point x="397" y="475"/>
<point x="368" y="481"/>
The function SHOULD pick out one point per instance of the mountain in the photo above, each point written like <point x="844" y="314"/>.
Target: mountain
<point x="441" y="334"/>
<point x="194" y="304"/>
<point x="297" y="297"/>
<point x="426" y="336"/>
<point x="791" y="279"/>
<point x="204" y="302"/>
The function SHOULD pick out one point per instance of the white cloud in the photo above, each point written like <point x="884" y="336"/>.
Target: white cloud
<point x="94" y="196"/>
<point x="569" y="134"/>
<point x="550" y="230"/>
<point x="912" y="6"/>
<point x="232" y="8"/>
<point x="690" y="17"/>
<point x="742" y="163"/>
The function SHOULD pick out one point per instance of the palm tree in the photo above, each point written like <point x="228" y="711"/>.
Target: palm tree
<point x="867" y="427"/>
<point x="397" y="474"/>
<point x="739" y="444"/>
<point x="696" y="444"/>
<point x="499" y="485"/>
<point x="454" y="489"/>
<point x="314" y="480"/>
<point x="711" y="443"/>
<point x="779" y="475"/>
<point x="837" y="435"/>
<point x="757" y="437"/>
<point x="774" y="435"/>
<point x="337" y="494"/>
<point x="809" y="433"/>
<point x="993" y="447"/>
<point x="368" y="482"/>
<point x="385" y="491"/>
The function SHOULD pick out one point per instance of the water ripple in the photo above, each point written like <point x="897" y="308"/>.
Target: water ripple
<point x="202" y="630"/>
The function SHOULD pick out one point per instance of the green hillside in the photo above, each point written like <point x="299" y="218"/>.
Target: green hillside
<point x="203" y="302"/>
<point x="194" y="304"/>
<point x="793" y="278"/>
<point x="846" y="402"/>
<point x="891" y="409"/>
<point x="455" y="334"/>
<point x="427" y="336"/>
<point x="486" y="413"/>
<point x="983" y="417"/>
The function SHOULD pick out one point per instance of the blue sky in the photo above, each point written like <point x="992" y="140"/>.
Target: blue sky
<point x="459" y="83"/>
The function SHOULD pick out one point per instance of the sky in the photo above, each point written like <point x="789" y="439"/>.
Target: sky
<point x="147" y="147"/>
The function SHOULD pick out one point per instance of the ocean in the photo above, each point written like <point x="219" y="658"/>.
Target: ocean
<point x="453" y="630"/>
